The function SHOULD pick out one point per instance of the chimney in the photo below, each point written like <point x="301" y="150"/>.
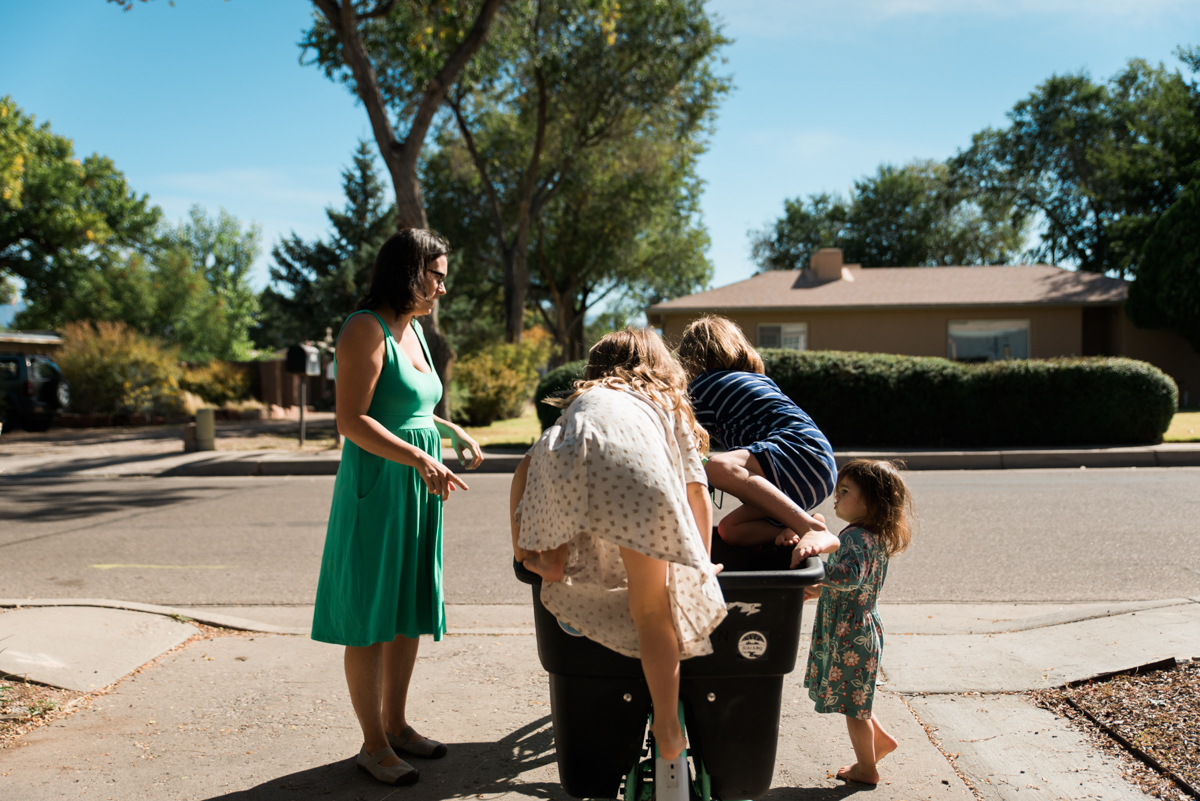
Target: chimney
<point x="827" y="265"/>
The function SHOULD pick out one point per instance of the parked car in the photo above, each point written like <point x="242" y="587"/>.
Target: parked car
<point x="32" y="391"/>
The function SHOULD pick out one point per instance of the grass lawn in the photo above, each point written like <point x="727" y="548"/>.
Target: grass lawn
<point x="520" y="432"/>
<point x="1185" y="427"/>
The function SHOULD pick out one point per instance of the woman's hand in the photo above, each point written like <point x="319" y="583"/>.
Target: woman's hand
<point x="465" y="448"/>
<point x="439" y="479"/>
<point x="812" y="593"/>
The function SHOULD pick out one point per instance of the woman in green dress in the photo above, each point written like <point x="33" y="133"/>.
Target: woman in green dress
<point x="380" y="587"/>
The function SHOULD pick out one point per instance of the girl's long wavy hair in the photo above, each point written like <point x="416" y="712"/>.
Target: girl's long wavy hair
<point x="637" y="359"/>
<point x="890" y="511"/>
<point x="716" y="343"/>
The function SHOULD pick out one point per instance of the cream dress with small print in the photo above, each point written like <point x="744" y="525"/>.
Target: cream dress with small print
<point x="613" y="472"/>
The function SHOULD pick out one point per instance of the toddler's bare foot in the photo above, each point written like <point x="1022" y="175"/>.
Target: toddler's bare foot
<point x="668" y="735"/>
<point x="549" y="570"/>
<point x="854" y="773"/>
<point x="884" y="745"/>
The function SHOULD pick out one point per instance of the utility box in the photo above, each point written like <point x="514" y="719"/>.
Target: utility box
<point x="303" y="359"/>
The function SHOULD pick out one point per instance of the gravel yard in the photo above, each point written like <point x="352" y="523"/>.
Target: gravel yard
<point x="1157" y="712"/>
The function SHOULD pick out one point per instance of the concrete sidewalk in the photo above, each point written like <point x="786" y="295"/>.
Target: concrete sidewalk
<point x="258" y="715"/>
<point x="312" y="463"/>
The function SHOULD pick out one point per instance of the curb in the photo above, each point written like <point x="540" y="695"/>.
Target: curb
<point x="267" y="463"/>
<point x="223" y="621"/>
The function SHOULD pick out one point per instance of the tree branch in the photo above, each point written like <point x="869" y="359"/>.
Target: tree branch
<point x="342" y="19"/>
<point x="382" y="10"/>
<point x="481" y="166"/>
<point x="439" y="86"/>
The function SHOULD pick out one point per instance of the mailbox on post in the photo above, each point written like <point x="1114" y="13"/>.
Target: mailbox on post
<point x="304" y="360"/>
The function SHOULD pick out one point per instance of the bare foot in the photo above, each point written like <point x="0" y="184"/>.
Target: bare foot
<point x="853" y="773"/>
<point x="550" y="571"/>
<point x="884" y="744"/>
<point x="668" y="736"/>
<point x="786" y="538"/>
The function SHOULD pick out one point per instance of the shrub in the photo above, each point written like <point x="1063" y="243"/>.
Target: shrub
<point x="880" y="400"/>
<point x="112" y="369"/>
<point x="217" y="382"/>
<point x="557" y="380"/>
<point x="495" y="383"/>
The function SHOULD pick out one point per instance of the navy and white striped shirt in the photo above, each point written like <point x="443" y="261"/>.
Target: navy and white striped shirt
<point x="748" y="411"/>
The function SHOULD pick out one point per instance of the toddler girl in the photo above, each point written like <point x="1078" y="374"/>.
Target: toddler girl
<point x="847" y="638"/>
<point x="777" y="462"/>
<point x="611" y="508"/>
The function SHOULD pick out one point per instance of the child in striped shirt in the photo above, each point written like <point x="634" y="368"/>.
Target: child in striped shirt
<point x="776" y="460"/>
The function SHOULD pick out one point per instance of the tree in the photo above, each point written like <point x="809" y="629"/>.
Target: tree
<point x="1166" y="291"/>
<point x="323" y="281"/>
<point x="64" y="223"/>
<point x="221" y="250"/>
<point x="625" y="231"/>
<point x="910" y="216"/>
<point x="430" y="45"/>
<point x="579" y="79"/>
<point x="1096" y="164"/>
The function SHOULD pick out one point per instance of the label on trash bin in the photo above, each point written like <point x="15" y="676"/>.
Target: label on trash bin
<point x="752" y="644"/>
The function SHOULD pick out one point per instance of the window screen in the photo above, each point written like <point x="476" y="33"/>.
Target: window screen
<point x="793" y="336"/>
<point x="987" y="340"/>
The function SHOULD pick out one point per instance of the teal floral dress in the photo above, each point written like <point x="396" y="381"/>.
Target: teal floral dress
<point x="847" y="638"/>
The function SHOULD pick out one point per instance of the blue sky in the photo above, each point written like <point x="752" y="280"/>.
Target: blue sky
<point x="206" y="101"/>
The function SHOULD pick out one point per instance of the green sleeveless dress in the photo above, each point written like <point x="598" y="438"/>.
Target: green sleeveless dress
<point x="381" y="572"/>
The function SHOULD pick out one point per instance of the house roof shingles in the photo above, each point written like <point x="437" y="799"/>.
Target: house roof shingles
<point x="908" y="287"/>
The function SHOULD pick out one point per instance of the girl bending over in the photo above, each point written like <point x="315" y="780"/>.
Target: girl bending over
<point x="611" y="508"/>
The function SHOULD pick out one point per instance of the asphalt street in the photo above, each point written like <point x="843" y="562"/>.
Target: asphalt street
<point x="1014" y="535"/>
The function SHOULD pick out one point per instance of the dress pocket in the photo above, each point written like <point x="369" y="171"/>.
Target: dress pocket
<point x="370" y="468"/>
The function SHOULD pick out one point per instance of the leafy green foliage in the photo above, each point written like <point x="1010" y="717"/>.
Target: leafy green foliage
<point x="880" y="400"/>
<point x="911" y="216"/>
<point x="317" y="285"/>
<point x="217" y="382"/>
<point x="112" y="369"/>
<point x="1095" y="163"/>
<point x="560" y="379"/>
<point x="1166" y="292"/>
<point x="223" y="251"/>
<point x="63" y="222"/>
<point x="496" y="383"/>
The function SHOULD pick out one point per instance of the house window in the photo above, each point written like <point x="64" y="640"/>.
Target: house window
<point x="793" y="336"/>
<point x="987" y="340"/>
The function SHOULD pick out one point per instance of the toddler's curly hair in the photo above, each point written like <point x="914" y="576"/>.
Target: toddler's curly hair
<point x="890" y="511"/>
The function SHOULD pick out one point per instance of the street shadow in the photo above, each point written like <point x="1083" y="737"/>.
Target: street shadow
<point x="469" y="770"/>
<point x="843" y="790"/>
<point x="43" y="500"/>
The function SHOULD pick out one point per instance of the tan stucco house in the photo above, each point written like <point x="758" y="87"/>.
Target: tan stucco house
<point x="965" y="313"/>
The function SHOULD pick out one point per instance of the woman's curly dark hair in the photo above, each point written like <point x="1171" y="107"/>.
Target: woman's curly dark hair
<point x="890" y="513"/>
<point x="398" y="277"/>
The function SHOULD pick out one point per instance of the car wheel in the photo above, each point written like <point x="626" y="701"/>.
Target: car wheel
<point x="62" y="394"/>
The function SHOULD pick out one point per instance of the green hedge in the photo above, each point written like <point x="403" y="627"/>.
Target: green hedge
<point x="880" y="400"/>
<point x="556" y="380"/>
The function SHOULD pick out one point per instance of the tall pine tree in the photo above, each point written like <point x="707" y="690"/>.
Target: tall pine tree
<point x="315" y="286"/>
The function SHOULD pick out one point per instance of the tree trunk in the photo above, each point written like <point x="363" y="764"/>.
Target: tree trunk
<point x="401" y="157"/>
